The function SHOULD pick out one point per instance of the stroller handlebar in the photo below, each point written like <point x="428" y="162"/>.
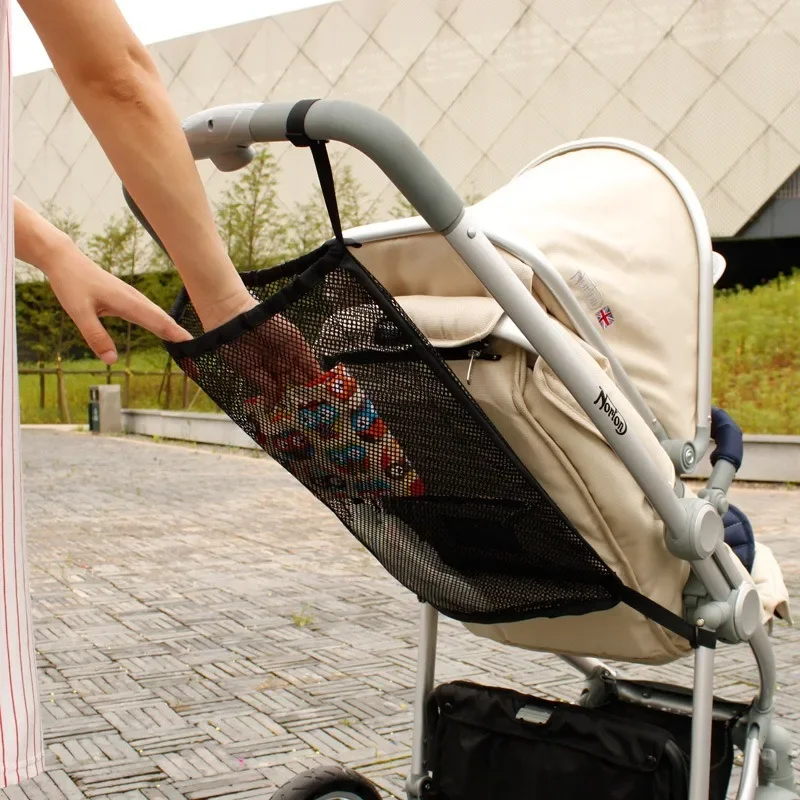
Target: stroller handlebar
<point x="222" y="134"/>
<point x="225" y="134"/>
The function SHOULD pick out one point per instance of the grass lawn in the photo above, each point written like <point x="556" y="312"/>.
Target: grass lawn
<point x="756" y="366"/>
<point x="757" y="356"/>
<point x="144" y="389"/>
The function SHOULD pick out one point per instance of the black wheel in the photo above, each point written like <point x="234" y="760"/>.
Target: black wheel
<point x="327" y="783"/>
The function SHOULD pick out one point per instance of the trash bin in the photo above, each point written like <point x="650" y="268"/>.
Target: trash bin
<point x="94" y="409"/>
<point x="105" y="409"/>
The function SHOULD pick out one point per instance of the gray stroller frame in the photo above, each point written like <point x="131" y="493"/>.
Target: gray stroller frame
<point x="721" y="601"/>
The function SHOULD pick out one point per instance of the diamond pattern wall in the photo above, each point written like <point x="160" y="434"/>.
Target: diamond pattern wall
<point x="483" y="88"/>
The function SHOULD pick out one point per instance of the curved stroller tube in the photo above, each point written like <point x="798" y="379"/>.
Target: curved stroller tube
<point x="694" y="528"/>
<point x="726" y="459"/>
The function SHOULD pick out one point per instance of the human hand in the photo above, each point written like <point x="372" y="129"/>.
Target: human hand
<point x="87" y="293"/>
<point x="273" y="357"/>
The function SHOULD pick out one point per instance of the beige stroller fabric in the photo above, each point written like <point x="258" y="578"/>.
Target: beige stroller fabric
<point x="619" y="234"/>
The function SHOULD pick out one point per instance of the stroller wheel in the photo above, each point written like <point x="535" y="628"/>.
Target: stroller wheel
<point x="327" y="783"/>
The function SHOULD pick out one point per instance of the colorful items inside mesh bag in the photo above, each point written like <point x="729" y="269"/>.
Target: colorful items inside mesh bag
<point x="329" y="436"/>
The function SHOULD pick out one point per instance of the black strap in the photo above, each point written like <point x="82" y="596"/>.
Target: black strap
<point x="296" y="134"/>
<point x="697" y="637"/>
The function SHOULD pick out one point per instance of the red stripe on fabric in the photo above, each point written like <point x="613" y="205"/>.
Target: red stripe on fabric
<point x="6" y="364"/>
<point x="3" y="498"/>
<point x="27" y="686"/>
<point x="26" y="644"/>
<point x="30" y="723"/>
<point x="17" y="531"/>
<point x="8" y="266"/>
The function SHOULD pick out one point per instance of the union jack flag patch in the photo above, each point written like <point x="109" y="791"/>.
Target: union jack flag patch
<point x="605" y="317"/>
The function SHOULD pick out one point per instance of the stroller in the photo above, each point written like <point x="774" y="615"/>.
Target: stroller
<point x="500" y="406"/>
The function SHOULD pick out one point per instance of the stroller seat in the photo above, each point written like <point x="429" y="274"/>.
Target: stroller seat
<point x="633" y="267"/>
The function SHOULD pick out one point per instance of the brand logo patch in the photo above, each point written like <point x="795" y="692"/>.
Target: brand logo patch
<point x="617" y="420"/>
<point x="592" y="296"/>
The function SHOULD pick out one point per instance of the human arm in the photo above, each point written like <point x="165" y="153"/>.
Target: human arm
<point x="116" y="87"/>
<point x="86" y="291"/>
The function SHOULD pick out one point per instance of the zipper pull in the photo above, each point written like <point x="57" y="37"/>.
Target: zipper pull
<point x="473" y="354"/>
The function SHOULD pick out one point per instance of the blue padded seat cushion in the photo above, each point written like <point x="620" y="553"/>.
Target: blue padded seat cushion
<point x="739" y="536"/>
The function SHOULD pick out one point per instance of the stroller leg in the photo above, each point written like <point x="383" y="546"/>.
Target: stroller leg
<point x="767" y="773"/>
<point x="777" y="771"/>
<point x="749" y="780"/>
<point x="598" y="677"/>
<point x="770" y="744"/>
<point x="417" y="781"/>
<point x="588" y="666"/>
<point x="702" y="711"/>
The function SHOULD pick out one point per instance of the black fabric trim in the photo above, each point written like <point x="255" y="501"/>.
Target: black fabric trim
<point x="296" y="124"/>
<point x="697" y="637"/>
<point x="296" y="134"/>
<point x="326" y="182"/>
<point x="308" y="275"/>
<point x="259" y="277"/>
<point x="506" y="618"/>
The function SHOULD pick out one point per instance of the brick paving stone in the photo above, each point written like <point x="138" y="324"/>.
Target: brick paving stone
<point x="206" y="630"/>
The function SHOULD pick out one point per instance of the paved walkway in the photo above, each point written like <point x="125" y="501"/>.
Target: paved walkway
<point x="206" y="630"/>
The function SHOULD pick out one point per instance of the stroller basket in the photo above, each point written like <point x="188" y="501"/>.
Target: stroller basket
<point x="332" y="379"/>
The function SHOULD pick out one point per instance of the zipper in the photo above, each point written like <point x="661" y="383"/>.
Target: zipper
<point x="475" y="351"/>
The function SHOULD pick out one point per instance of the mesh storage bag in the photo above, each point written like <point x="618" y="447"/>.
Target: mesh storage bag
<point x="334" y="381"/>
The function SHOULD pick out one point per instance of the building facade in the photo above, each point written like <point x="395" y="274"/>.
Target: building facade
<point x="483" y="86"/>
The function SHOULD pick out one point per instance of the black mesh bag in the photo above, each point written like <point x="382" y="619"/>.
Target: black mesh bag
<point x="332" y="379"/>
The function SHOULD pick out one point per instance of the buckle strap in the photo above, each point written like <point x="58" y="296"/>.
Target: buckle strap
<point x="697" y="637"/>
<point x="296" y="134"/>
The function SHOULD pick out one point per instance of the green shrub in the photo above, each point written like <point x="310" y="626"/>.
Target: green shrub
<point x="757" y="355"/>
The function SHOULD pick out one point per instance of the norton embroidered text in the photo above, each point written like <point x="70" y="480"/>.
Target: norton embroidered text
<point x="610" y="409"/>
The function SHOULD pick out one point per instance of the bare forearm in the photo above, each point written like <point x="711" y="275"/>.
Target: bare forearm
<point x="139" y="131"/>
<point x="115" y="86"/>
<point x="36" y="241"/>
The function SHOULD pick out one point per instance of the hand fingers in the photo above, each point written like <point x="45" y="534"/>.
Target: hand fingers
<point x="96" y="337"/>
<point x="136" y="308"/>
<point x="273" y="358"/>
<point x="253" y="364"/>
<point x="260" y="408"/>
<point x="292" y="355"/>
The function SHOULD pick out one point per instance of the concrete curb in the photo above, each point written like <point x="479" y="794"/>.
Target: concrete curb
<point x="63" y="428"/>
<point x="767" y="459"/>
<point x="203" y="428"/>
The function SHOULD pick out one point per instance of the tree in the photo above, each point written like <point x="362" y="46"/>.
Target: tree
<point x="249" y="216"/>
<point x="472" y="197"/>
<point x="120" y="249"/>
<point x="64" y="220"/>
<point x="41" y="323"/>
<point x="158" y="260"/>
<point x="313" y="225"/>
<point x="402" y="208"/>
